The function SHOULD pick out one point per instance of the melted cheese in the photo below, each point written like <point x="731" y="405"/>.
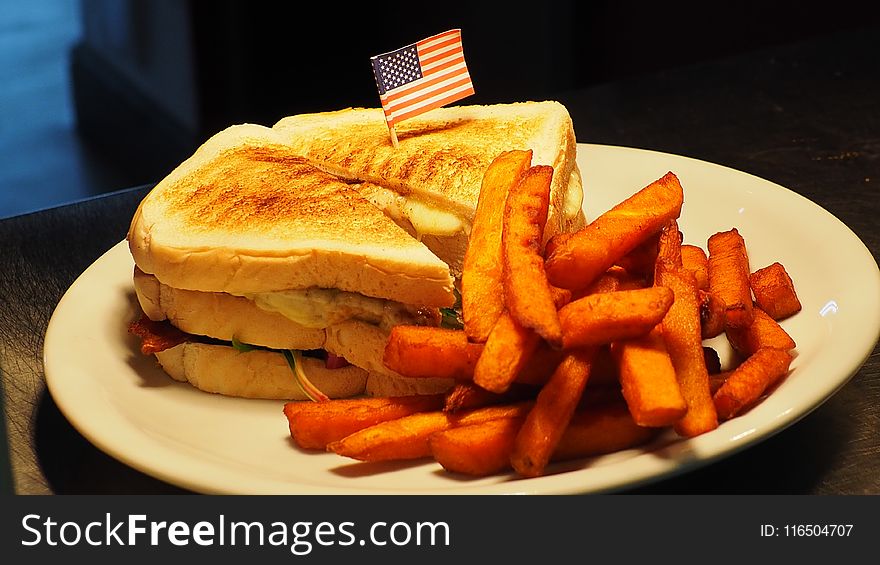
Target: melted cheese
<point x="322" y="307"/>
<point x="425" y="218"/>
<point x="429" y="220"/>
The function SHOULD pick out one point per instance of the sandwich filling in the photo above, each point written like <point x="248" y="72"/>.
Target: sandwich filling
<point x="323" y="307"/>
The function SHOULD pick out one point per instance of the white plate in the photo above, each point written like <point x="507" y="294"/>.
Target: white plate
<point x="126" y="406"/>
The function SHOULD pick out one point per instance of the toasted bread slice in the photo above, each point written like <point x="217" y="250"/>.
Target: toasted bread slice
<point x="255" y="374"/>
<point x="437" y="170"/>
<point x="244" y="214"/>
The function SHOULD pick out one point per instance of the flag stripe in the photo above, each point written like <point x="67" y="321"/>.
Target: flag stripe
<point x="440" y="37"/>
<point x="430" y="94"/>
<point x="427" y="49"/>
<point x="436" y="104"/>
<point x="396" y="111"/>
<point x="423" y="83"/>
<point x="440" y="63"/>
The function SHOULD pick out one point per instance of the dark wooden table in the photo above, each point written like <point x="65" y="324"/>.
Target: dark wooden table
<point x="806" y="116"/>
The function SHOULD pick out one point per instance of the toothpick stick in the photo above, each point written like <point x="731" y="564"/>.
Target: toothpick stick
<point x="393" y="136"/>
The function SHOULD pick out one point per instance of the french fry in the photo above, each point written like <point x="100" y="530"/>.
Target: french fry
<point x="547" y="420"/>
<point x="601" y="430"/>
<point x="669" y="244"/>
<point x="604" y="371"/>
<point x="695" y="260"/>
<point x="774" y="292"/>
<point x="465" y="395"/>
<point x="729" y="277"/>
<point x="407" y="437"/>
<point x="578" y="259"/>
<point x="602" y="318"/>
<point x="763" y="332"/>
<point x="509" y="348"/>
<point x="484" y="449"/>
<point x="597" y="395"/>
<point x="640" y="261"/>
<point x="478" y="450"/>
<point x="648" y="380"/>
<point x="747" y="383"/>
<point x="716" y="380"/>
<point x="481" y="276"/>
<point x="527" y="293"/>
<point x="420" y="351"/>
<point x="712" y="314"/>
<point x="540" y="366"/>
<point x="681" y="331"/>
<point x="614" y="279"/>
<point x="313" y="425"/>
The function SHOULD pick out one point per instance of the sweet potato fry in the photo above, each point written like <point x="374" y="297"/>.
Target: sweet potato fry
<point x="547" y="420"/>
<point x="407" y="437"/>
<point x="540" y="365"/>
<point x="477" y="450"/>
<point x="648" y="380"/>
<point x="774" y="292"/>
<point x="681" y="332"/>
<point x="509" y="348"/>
<point x="716" y="380"/>
<point x="607" y="317"/>
<point x="481" y="275"/>
<point x="313" y="425"/>
<point x="527" y="293"/>
<point x="763" y="332"/>
<point x="669" y="244"/>
<point x="640" y="261"/>
<point x="605" y="429"/>
<point x="614" y="279"/>
<point x="729" y="277"/>
<point x="484" y="449"/>
<point x="419" y="351"/>
<point x="604" y="371"/>
<point x="747" y="383"/>
<point x="712" y="314"/>
<point x="577" y="260"/>
<point x="465" y="395"/>
<point x="694" y="259"/>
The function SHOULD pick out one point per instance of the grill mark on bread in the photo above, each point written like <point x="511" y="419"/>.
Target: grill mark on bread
<point x="251" y="189"/>
<point x="422" y="160"/>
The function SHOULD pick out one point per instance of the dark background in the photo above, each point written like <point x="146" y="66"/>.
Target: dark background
<point x="146" y="82"/>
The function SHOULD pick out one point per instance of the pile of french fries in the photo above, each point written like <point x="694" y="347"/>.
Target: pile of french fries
<point x="587" y="345"/>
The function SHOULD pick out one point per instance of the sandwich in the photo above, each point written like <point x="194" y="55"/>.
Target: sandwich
<point x="430" y="183"/>
<point x="262" y="268"/>
<point x="274" y="261"/>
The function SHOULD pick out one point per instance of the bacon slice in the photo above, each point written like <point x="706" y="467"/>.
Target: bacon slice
<point x="156" y="336"/>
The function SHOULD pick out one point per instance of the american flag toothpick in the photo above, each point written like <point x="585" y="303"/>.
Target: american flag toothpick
<point x="419" y="77"/>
